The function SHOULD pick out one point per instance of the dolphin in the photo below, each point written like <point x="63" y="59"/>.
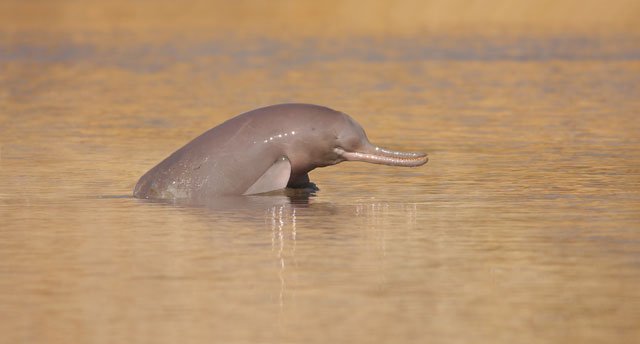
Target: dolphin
<point x="264" y="150"/>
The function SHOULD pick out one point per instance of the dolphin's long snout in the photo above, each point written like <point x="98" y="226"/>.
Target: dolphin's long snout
<point x="383" y="156"/>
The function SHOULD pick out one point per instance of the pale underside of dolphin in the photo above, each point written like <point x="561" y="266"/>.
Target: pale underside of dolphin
<point x="264" y="150"/>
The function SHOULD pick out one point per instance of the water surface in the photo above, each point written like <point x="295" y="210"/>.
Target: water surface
<point x="523" y="226"/>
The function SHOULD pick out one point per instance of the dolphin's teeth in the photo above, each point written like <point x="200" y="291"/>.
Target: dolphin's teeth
<point x="408" y="161"/>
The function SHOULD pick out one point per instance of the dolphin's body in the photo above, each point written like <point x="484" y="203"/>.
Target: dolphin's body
<point x="264" y="150"/>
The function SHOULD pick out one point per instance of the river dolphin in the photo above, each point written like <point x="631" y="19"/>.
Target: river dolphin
<point x="264" y="150"/>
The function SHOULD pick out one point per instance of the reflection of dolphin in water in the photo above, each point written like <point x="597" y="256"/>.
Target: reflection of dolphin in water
<point x="251" y="203"/>
<point x="265" y="150"/>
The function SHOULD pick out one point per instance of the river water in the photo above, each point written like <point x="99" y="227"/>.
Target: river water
<point x="523" y="227"/>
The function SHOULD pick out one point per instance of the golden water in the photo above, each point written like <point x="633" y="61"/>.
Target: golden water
<point x="523" y="227"/>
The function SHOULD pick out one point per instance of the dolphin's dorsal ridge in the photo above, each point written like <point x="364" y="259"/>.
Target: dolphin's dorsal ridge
<point x="274" y="178"/>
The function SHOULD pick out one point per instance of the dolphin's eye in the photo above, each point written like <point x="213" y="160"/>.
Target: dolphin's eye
<point x="351" y="143"/>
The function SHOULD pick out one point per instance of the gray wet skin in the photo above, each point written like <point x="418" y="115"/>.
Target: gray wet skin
<point x="264" y="150"/>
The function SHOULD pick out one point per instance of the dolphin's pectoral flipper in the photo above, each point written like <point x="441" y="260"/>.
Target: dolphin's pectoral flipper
<point x="274" y="178"/>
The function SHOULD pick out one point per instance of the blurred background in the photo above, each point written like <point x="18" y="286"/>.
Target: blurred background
<point x="283" y="18"/>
